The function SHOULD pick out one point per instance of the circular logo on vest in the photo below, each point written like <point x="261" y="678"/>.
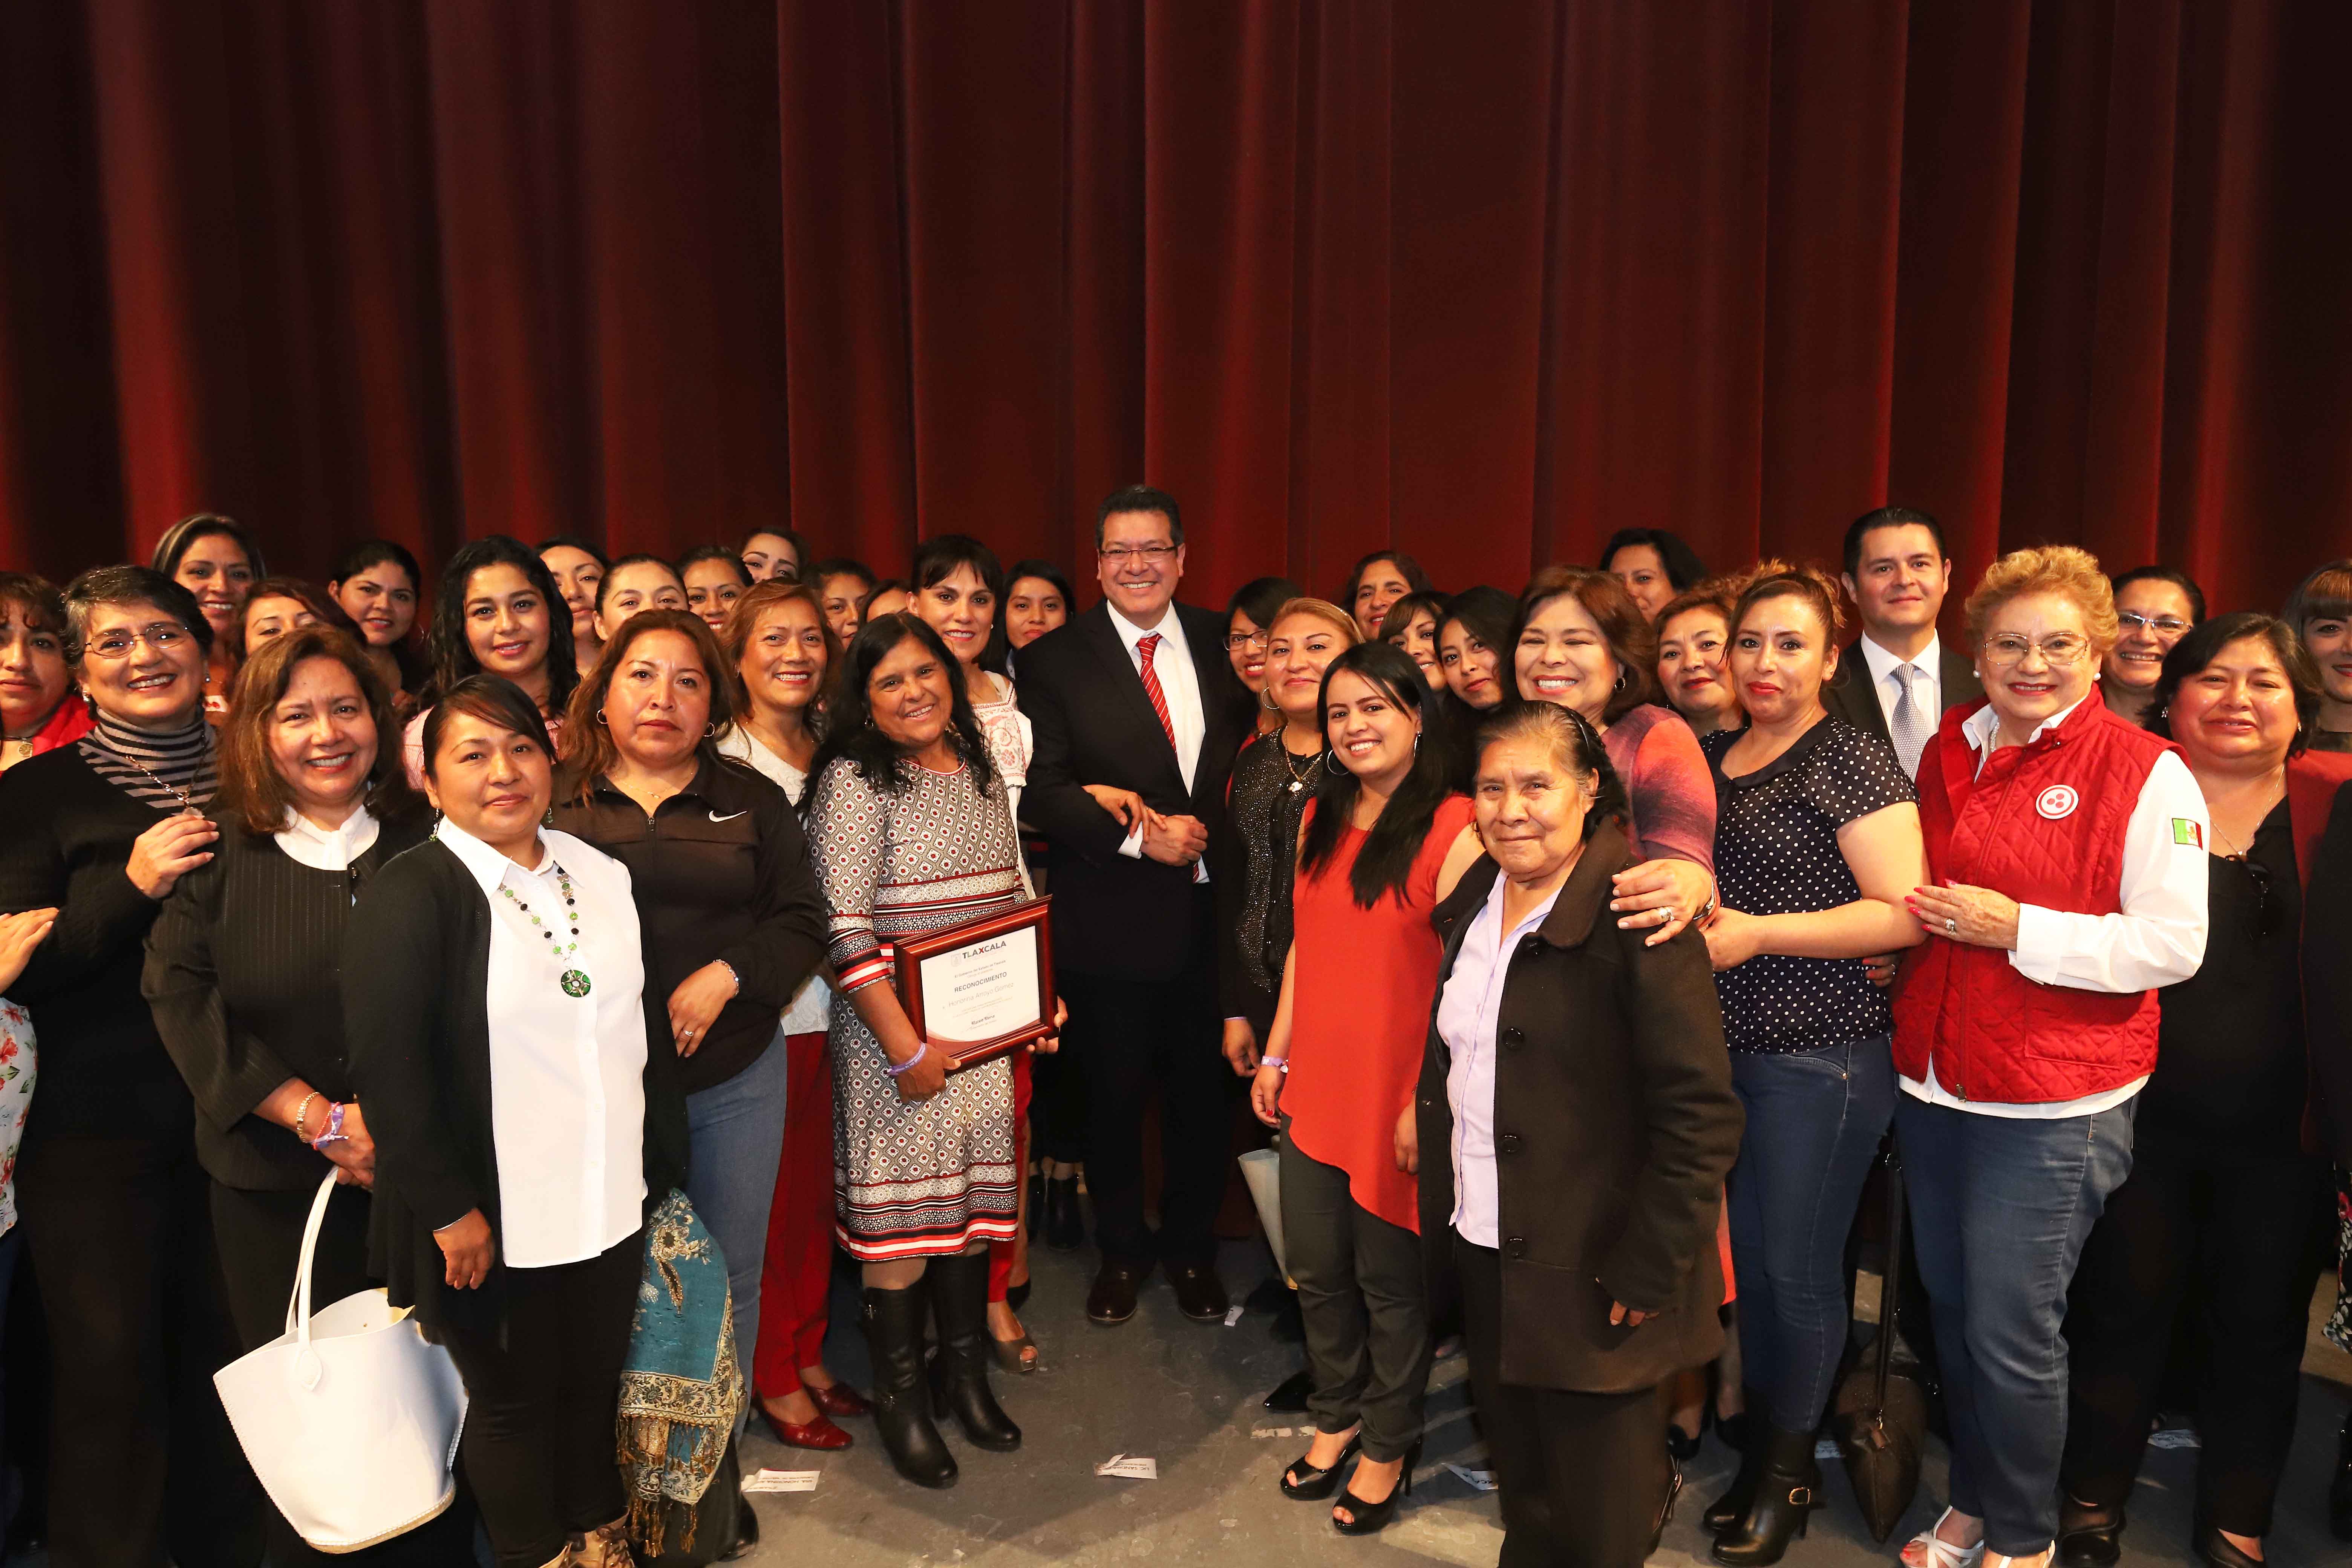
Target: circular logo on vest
<point x="2057" y="801"/>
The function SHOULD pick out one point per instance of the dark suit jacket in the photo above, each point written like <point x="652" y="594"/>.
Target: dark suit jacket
<point x="1113" y="914"/>
<point x="1850" y="695"/>
<point x="1614" y="1127"/>
<point x="415" y="980"/>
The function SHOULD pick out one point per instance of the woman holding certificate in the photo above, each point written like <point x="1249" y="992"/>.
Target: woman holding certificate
<point x="909" y="828"/>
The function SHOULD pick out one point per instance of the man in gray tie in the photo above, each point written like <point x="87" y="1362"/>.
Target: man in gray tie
<point x="1898" y="679"/>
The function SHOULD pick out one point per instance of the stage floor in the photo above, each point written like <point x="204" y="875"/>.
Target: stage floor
<point x="1187" y="1395"/>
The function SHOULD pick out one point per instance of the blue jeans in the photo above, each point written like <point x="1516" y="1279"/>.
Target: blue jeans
<point x="736" y="1137"/>
<point x="2000" y="1210"/>
<point x="1814" y="1121"/>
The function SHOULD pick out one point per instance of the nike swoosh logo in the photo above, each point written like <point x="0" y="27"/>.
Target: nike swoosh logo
<point x="730" y="816"/>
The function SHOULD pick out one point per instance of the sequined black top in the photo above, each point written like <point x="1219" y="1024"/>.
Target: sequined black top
<point x="1270" y="790"/>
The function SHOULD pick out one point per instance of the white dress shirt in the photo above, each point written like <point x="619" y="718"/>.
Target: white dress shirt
<point x="811" y="1010"/>
<point x="1172" y="661"/>
<point x="1467" y="1011"/>
<point x="2156" y="939"/>
<point x="1928" y="700"/>
<point x="567" y="1073"/>
<point x="327" y="849"/>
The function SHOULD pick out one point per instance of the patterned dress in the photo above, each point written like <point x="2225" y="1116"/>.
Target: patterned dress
<point x="924" y="1179"/>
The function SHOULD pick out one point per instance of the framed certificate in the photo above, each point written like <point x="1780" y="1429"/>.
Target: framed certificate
<point x="983" y="988"/>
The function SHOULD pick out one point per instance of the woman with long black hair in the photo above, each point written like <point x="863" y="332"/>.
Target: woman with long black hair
<point x="496" y="612"/>
<point x="1382" y="843"/>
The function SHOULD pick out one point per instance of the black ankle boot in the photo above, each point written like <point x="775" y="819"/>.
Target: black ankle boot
<point x="1066" y="1226"/>
<point x="1732" y="1506"/>
<point x="902" y="1410"/>
<point x="1788" y="1490"/>
<point x="960" y="1374"/>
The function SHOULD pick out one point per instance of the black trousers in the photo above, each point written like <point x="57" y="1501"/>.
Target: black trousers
<point x="541" y="1430"/>
<point x="1131" y="1038"/>
<point x="142" y="1459"/>
<point x="1363" y="1301"/>
<point x="261" y="1238"/>
<point x="1584" y="1476"/>
<point x="2237" y="1222"/>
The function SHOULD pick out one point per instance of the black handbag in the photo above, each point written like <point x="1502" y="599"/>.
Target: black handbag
<point x="1881" y="1409"/>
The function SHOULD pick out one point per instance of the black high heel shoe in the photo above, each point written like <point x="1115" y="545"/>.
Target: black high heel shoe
<point x="1373" y="1517"/>
<point x="2215" y="1548"/>
<point x="2088" y="1537"/>
<point x="1686" y="1448"/>
<point x="1314" y="1485"/>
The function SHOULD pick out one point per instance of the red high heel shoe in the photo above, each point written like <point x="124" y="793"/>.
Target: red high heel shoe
<point x="839" y="1399"/>
<point x="819" y="1434"/>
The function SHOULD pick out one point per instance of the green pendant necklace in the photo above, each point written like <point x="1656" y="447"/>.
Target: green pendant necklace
<point x="574" y="980"/>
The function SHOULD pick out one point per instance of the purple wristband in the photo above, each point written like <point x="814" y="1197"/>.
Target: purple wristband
<point x="335" y="1133"/>
<point x="920" y="1052"/>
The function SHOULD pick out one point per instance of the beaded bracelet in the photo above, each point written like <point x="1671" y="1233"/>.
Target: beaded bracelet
<point x="920" y="1052"/>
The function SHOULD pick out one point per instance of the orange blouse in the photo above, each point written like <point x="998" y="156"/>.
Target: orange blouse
<point x="1362" y="985"/>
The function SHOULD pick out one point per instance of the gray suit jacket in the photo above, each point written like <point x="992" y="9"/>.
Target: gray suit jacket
<point x="1850" y="695"/>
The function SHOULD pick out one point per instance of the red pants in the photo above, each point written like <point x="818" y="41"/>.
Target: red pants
<point x="1000" y="1253"/>
<point x="798" y="1273"/>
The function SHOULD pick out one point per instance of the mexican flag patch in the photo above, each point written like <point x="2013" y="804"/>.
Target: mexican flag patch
<point x="2184" y="831"/>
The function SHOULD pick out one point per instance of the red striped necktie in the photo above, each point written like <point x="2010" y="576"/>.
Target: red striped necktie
<point x="1144" y="649"/>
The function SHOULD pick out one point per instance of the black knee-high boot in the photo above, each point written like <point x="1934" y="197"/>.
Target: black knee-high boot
<point x="1733" y="1505"/>
<point x="902" y="1411"/>
<point x="960" y="1374"/>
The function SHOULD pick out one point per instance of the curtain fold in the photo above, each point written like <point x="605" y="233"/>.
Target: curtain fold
<point x="1483" y="284"/>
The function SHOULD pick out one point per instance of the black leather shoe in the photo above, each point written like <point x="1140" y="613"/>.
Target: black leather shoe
<point x="1112" y="1300"/>
<point x="1199" y="1294"/>
<point x="1066" y="1226"/>
<point x="2340" y="1488"/>
<point x="902" y="1410"/>
<point x="2088" y="1537"/>
<point x="1289" y="1395"/>
<point x="1371" y="1518"/>
<point x="1788" y="1490"/>
<point x="2213" y="1548"/>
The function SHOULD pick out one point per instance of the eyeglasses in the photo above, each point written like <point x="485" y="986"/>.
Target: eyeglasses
<point x="2162" y="625"/>
<point x="1150" y="554"/>
<point x="1236" y="641"/>
<point x="2064" y="649"/>
<point x="162" y="637"/>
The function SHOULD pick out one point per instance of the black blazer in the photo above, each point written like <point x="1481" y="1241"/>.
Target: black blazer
<point x="416" y="976"/>
<point x="1115" y="914"/>
<point x="1850" y="695"/>
<point x="242" y="977"/>
<point x="1614" y="1127"/>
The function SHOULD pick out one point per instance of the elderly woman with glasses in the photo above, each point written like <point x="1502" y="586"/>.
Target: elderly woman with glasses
<point x="2066" y="885"/>
<point x="2226" y="1182"/>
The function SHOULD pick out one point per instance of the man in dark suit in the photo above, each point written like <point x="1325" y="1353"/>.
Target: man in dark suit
<point x="1898" y="678"/>
<point x="1138" y="694"/>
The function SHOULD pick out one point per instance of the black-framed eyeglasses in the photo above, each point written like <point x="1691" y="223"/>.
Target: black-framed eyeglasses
<point x="1151" y="555"/>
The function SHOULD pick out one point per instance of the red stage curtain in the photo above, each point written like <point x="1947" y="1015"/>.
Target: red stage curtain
<point x="1481" y="282"/>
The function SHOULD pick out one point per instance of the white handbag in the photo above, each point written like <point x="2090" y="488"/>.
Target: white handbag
<point x="350" y="1418"/>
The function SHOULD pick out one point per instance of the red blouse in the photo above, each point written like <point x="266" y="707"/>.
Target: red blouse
<point x="1362" y="985"/>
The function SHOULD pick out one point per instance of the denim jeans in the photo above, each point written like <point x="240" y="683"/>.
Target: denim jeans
<point x="1814" y="1121"/>
<point x="735" y="1140"/>
<point x="2000" y="1208"/>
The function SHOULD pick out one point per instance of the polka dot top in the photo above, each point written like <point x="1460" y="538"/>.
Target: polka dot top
<point x="1775" y="853"/>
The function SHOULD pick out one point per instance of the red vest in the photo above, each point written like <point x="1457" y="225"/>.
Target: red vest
<point x="2044" y="823"/>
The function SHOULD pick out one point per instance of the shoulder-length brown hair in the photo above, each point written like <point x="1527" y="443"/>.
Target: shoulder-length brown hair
<point x="252" y="791"/>
<point x="755" y="602"/>
<point x="588" y="749"/>
<point x="1633" y="640"/>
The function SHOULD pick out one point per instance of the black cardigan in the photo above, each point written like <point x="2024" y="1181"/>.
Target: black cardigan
<point x="243" y="976"/>
<point x="67" y="844"/>
<point x="415" y="983"/>
<point x="1614" y="1127"/>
